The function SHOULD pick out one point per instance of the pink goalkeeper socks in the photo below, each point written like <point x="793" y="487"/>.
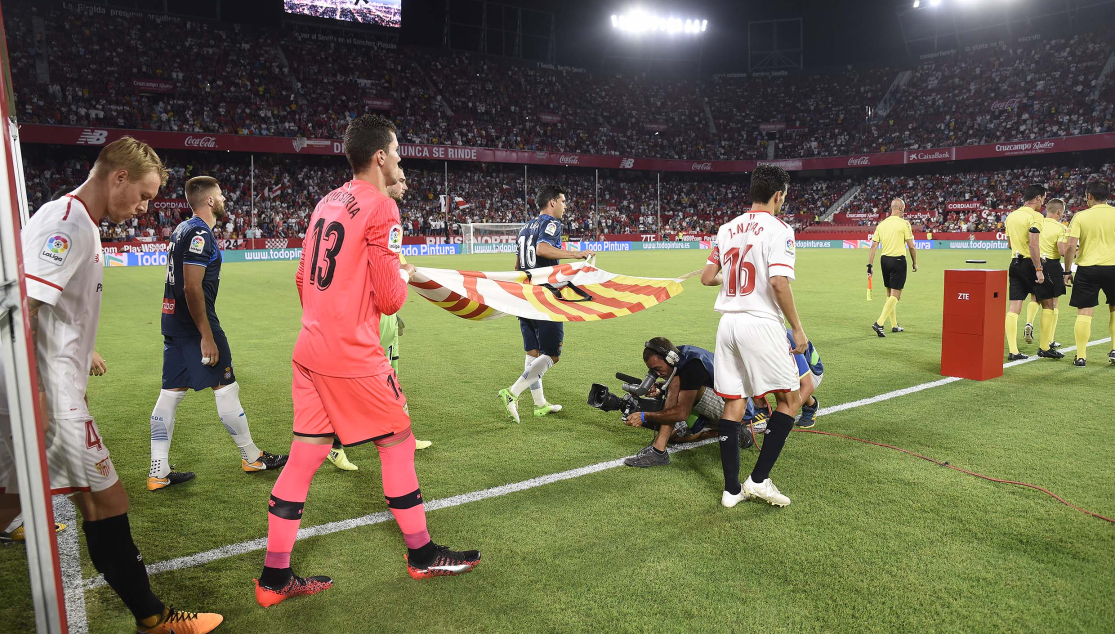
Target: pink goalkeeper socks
<point x="287" y="499"/>
<point x="400" y="486"/>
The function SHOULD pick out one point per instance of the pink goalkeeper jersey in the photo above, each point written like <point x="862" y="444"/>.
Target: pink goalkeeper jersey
<point x="347" y="278"/>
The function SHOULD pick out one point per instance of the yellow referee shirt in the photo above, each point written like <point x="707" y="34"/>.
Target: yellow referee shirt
<point x="892" y="234"/>
<point x="1095" y="229"/>
<point x="1052" y="234"/>
<point x="1019" y="224"/>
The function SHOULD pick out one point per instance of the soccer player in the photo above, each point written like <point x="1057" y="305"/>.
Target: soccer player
<point x="1091" y="244"/>
<point x="540" y="246"/>
<point x="1052" y="245"/>
<point x="753" y="264"/>
<point x="810" y="373"/>
<point x="343" y="385"/>
<point x="64" y="270"/>
<point x="1023" y="229"/>
<point x="195" y="350"/>
<point x="390" y="327"/>
<point x="895" y="235"/>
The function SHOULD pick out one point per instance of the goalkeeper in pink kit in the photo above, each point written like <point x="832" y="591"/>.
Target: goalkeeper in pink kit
<point x="343" y="385"/>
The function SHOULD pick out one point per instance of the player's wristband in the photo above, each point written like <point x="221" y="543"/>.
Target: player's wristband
<point x="643" y="416"/>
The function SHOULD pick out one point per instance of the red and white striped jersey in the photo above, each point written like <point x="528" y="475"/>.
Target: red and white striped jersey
<point x="750" y="250"/>
<point x="348" y="278"/>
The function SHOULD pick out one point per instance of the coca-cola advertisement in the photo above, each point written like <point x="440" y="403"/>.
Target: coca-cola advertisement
<point x="702" y="167"/>
<point x="772" y="127"/>
<point x="967" y="205"/>
<point x="1006" y="104"/>
<point x="379" y="103"/>
<point x="201" y="142"/>
<point x="859" y="161"/>
<point x="549" y="117"/>
<point x="655" y="127"/>
<point x="160" y="86"/>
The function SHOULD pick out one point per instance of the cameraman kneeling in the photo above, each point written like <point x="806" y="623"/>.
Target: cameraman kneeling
<point x="689" y="390"/>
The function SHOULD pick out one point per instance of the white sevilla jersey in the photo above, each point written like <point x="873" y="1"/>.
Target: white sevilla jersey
<point x="62" y="260"/>
<point x="750" y="250"/>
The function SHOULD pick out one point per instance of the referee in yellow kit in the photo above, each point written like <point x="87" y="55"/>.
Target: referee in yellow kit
<point x="895" y="235"/>
<point x="1023" y="229"/>
<point x="1052" y="246"/>
<point x="1092" y="244"/>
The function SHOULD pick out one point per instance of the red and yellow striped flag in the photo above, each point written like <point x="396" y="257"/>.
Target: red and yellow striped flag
<point x="567" y="292"/>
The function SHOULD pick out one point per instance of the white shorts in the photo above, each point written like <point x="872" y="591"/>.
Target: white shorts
<point x="752" y="358"/>
<point x="77" y="457"/>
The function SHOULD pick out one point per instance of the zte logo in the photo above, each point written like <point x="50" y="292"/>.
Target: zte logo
<point x="92" y="137"/>
<point x="962" y="296"/>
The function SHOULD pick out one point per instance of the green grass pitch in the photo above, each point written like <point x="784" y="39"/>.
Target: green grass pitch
<point x="875" y="541"/>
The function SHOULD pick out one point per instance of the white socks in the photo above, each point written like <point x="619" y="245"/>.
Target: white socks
<point x="235" y="421"/>
<point x="533" y="374"/>
<point x="536" y="387"/>
<point x="162" y="430"/>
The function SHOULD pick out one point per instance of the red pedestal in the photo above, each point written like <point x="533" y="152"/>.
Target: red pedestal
<point x="974" y="328"/>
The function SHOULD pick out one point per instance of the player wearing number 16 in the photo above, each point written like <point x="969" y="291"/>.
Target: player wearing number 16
<point x="539" y="245"/>
<point x="753" y="263"/>
<point x="343" y="385"/>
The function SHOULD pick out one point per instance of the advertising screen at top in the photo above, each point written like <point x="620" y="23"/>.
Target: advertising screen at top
<point x="377" y="12"/>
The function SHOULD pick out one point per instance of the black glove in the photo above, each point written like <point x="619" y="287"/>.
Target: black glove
<point x="869" y="269"/>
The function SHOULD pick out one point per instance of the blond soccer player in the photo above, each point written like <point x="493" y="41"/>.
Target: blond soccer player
<point x="62" y="259"/>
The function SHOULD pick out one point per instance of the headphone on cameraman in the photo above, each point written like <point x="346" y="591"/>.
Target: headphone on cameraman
<point x="671" y="356"/>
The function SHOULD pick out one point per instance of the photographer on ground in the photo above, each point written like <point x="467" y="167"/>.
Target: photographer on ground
<point x="688" y="370"/>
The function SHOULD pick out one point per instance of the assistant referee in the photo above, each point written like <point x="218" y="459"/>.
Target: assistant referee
<point x="1023" y="229"/>
<point x="1092" y="244"/>
<point x="895" y="235"/>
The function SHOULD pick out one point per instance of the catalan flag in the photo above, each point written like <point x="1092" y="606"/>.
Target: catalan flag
<point x="567" y="292"/>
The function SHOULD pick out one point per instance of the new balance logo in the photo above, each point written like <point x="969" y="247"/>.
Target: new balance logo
<point x="92" y="137"/>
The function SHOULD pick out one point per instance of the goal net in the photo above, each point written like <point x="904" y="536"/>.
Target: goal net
<point x="489" y="237"/>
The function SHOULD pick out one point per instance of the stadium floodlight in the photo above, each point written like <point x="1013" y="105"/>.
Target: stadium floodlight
<point x="934" y="3"/>
<point x="639" y="21"/>
<point x="917" y="3"/>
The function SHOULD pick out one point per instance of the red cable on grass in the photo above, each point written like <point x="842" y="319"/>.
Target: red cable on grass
<point x="955" y="468"/>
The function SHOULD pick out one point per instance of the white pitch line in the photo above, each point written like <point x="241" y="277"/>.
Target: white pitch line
<point x="69" y="560"/>
<point x="241" y="548"/>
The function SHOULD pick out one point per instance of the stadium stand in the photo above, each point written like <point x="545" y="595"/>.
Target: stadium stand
<point x="227" y="78"/>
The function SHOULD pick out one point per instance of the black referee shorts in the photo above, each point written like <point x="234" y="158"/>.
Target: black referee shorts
<point x="1087" y="284"/>
<point x="894" y="271"/>
<point x="1023" y="279"/>
<point x="1054" y="284"/>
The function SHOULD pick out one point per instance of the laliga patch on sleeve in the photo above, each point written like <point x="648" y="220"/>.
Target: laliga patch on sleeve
<point x="551" y="228"/>
<point x="395" y="239"/>
<point x="789" y="246"/>
<point x="56" y="249"/>
<point x="197" y="245"/>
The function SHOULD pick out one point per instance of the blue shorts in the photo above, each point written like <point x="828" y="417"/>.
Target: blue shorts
<point x="182" y="366"/>
<point x="544" y="336"/>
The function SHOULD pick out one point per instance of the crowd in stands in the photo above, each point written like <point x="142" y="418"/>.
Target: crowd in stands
<point x="208" y="77"/>
<point x="286" y="189"/>
<point x="998" y="192"/>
